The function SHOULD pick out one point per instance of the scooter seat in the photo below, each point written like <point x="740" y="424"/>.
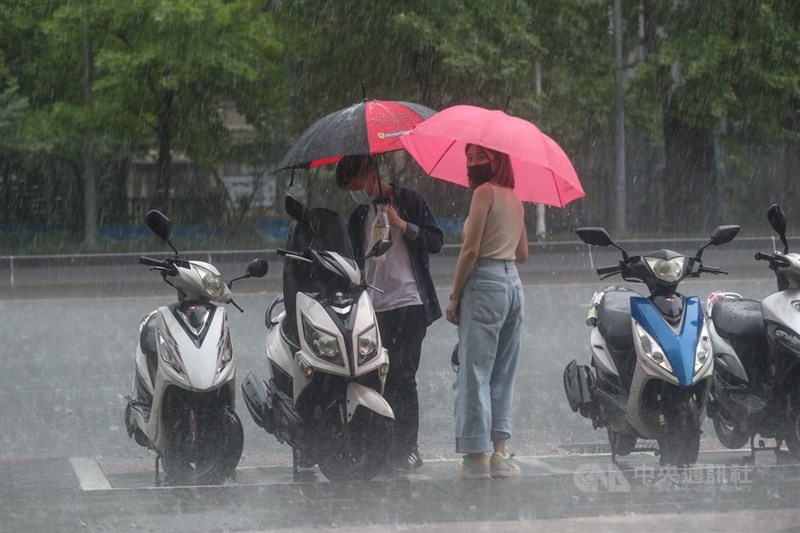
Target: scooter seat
<point x="614" y="319"/>
<point x="738" y="318"/>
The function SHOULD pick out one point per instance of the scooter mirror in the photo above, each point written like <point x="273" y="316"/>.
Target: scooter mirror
<point x="777" y="219"/>
<point x="594" y="236"/>
<point x="257" y="268"/>
<point x="158" y="224"/>
<point x="724" y="234"/>
<point x="380" y="248"/>
<point x="296" y="209"/>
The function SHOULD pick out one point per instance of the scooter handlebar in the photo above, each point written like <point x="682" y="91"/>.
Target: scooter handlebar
<point x="609" y="270"/>
<point x="152" y="262"/>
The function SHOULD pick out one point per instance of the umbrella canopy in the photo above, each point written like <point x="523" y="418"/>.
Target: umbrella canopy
<point x="370" y="127"/>
<point x="543" y="173"/>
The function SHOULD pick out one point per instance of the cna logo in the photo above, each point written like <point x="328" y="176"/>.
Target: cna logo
<point x="595" y="478"/>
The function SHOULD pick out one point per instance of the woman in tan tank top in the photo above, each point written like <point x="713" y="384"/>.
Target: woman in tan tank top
<point x="487" y="305"/>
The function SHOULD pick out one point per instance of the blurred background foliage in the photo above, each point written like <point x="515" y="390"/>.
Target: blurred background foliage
<point x="108" y="109"/>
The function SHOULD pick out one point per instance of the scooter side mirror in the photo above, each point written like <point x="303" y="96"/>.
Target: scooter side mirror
<point x="599" y="237"/>
<point x="296" y="209"/>
<point x="777" y="219"/>
<point x="594" y="236"/>
<point x="257" y="268"/>
<point x="380" y="248"/>
<point x="724" y="234"/>
<point x="778" y="222"/>
<point x="158" y="224"/>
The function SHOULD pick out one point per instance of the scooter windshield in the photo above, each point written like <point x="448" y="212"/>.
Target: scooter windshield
<point x="329" y="233"/>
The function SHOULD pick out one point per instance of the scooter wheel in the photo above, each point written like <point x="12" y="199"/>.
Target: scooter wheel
<point x="793" y="429"/>
<point x="360" y="451"/>
<point x="729" y="434"/>
<point x="212" y="457"/>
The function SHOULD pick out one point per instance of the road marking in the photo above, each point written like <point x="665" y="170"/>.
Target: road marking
<point x="89" y="473"/>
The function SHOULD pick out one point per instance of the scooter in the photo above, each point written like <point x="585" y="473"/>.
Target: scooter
<point x="651" y="361"/>
<point x="183" y="400"/>
<point x="757" y="357"/>
<point x="327" y="367"/>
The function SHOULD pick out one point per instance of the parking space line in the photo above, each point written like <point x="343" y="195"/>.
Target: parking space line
<point x="89" y="473"/>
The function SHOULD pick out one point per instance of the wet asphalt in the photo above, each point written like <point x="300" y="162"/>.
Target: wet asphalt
<point x="67" y="335"/>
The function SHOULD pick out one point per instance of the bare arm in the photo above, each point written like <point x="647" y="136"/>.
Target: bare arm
<point x="479" y="208"/>
<point x="521" y="254"/>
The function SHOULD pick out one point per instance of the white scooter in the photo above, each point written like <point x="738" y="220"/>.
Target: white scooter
<point x="182" y="406"/>
<point x="757" y="352"/>
<point x="326" y="365"/>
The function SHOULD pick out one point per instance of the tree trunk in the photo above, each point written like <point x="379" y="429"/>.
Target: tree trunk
<point x="162" y="200"/>
<point x="89" y="187"/>
<point x="688" y="192"/>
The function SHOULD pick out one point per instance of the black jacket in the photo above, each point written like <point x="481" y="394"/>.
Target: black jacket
<point x="422" y="238"/>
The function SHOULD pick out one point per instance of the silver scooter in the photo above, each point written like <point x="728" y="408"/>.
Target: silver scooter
<point x="326" y="364"/>
<point x="182" y="405"/>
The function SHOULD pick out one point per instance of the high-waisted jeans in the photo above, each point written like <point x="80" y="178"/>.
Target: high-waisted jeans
<point x="490" y="326"/>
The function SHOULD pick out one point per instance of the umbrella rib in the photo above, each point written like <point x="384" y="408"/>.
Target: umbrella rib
<point x="444" y="152"/>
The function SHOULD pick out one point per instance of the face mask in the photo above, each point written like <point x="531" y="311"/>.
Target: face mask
<point x="361" y="197"/>
<point x="479" y="174"/>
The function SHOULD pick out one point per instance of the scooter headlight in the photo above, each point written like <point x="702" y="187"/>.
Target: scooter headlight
<point x="212" y="283"/>
<point x="168" y="349"/>
<point x="669" y="271"/>
<point x="703" y="351"/>
<point x="367" y="345"/>
<point x="652" y="349"/>
<point x="323" y="344"/>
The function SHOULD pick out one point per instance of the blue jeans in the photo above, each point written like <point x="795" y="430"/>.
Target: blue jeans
<point x="490" y="316"/>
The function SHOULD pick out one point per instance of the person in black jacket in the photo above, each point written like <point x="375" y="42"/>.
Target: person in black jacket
<point x="408" y="303"/>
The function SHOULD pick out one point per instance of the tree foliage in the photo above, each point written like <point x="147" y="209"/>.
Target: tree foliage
<point x="712" y="92"/>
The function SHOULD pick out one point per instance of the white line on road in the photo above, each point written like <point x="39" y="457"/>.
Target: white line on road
<point x="89" y="473"/>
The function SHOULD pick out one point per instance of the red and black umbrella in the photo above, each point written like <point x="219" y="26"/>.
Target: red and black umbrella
<point x="370" y="127"/>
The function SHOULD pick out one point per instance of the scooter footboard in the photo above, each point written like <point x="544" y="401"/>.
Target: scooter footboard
<point x="358" y="394"/>
<point x="579" y="387"/>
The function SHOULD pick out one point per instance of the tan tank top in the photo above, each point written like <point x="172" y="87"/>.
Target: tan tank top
<point x="503" y="225"/>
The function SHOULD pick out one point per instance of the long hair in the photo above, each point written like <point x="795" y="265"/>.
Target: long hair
<point x="504" y="177"/>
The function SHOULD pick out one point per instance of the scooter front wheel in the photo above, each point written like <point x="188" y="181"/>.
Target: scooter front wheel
<point x="357" y="450"/>
<point x="729" y="434"/>
<point x="211" y="456"/>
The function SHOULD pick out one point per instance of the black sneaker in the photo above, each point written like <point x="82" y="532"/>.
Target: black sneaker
<point x="410" y="463"/>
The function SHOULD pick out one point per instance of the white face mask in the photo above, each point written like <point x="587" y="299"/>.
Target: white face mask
<point x="361" y="197"/>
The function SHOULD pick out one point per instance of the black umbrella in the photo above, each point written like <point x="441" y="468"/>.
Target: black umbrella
<point x="370" y="127"/>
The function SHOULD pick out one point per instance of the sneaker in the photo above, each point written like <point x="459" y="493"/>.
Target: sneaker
<point x="410" y="463"/>
<point x="504" y="466"/>
<point x="470" y="468"/>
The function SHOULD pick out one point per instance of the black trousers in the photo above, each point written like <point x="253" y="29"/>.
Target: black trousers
<point x="402" y="331"/>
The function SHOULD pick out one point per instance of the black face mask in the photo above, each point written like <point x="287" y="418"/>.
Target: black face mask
<point x="479" y="174"/>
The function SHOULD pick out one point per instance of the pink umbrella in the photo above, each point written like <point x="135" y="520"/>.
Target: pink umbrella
<point x="542" y="171"/>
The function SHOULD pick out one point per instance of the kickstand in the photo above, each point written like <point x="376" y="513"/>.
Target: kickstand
<point x="158" y="478"/>
<point x="295" y="473"/>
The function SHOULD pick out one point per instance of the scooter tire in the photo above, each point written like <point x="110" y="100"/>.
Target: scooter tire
<point x="793" y="426"/>
<point x="729" y="434"/>
<point x="361" y="459"/>
<point x="218" y="454"/>
<point x="679" y="449"/>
